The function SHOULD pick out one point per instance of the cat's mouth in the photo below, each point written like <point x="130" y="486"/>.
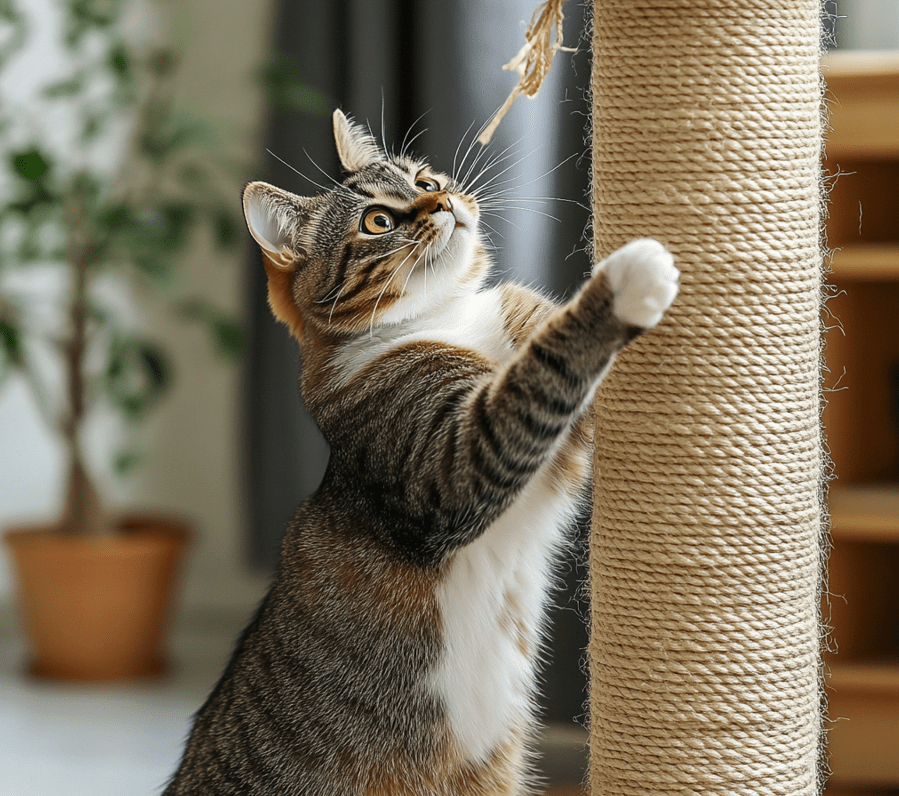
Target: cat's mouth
<point x="463" y="215"/>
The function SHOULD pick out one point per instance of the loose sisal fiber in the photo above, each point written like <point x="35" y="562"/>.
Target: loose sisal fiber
<point x="706" y="536"/>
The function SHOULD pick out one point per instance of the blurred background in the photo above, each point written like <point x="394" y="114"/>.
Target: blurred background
<point x="227" y="444"/>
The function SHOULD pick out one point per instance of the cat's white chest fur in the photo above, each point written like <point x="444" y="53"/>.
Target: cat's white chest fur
<point x="493" y="592"/>
<point x="492" y="602"/>
<point x="472" y="321"/>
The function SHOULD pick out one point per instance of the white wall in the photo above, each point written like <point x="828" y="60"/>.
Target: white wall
<point x="869" y="24"/>
<point x="191" y="443"/>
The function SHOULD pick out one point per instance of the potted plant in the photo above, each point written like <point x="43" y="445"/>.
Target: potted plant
<point x="95" y="589"/>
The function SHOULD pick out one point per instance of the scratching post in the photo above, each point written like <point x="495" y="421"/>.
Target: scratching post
<point x="705" y="543"/>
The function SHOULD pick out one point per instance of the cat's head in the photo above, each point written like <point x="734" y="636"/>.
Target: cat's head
<point x="392" y="241"/>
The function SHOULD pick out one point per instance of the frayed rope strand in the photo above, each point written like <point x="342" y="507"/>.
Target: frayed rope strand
<point x="533" y="60"/>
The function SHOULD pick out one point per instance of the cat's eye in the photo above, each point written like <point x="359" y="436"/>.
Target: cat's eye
<point x="427" y="184"/>
<point x="377" y="221"/>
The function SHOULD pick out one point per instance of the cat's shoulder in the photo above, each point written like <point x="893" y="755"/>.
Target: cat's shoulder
<point x="523" y="309"/>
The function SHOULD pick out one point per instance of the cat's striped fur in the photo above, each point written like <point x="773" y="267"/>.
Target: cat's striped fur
<point x="394" y="654"/>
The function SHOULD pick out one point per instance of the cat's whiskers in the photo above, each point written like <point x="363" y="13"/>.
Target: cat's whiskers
<point x="371" y="324"/>
<point x="504" y="195"/>
<point x="304" y="176"/>
<point x="337" y="183"/>
<point x="327" y="297"/>
<point x="466" y="180"/>
<point x="404" y="147"/>
<point x="454" y="173"/>
<point x="383" y="127"/>
<point x="527" y="210"/>
<point x="492" y="229"/>
<point x="492" y="162"/>
<point x="502" y="217"/>
<point x="473" y="141"/>
<point x="424" y="253"/>
<point x="518" y="187"/>
<point x="473" y="187"/>
<point x="334" y="305"/>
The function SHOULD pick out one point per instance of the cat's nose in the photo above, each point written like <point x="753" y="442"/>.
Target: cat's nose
<point x="432" y="202"/>
<point x="443" y="203"/>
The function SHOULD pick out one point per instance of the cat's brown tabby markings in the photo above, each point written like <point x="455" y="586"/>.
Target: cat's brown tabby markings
<point x="395" y="652"/>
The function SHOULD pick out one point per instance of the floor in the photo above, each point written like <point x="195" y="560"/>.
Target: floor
<point x="68" y="740"/>
<point x="103" y="740"/>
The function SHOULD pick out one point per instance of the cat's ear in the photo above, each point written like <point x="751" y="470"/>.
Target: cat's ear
<point x="356" y="147"/>
<point x="274" y="218"/>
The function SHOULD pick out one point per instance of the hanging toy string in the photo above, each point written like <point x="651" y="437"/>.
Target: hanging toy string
<point x="533" y="60"/>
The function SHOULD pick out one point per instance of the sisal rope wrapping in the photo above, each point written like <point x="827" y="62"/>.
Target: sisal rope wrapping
<point x="705" y="544"/>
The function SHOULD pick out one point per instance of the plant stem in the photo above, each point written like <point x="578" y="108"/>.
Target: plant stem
<point x="83" y="512"/>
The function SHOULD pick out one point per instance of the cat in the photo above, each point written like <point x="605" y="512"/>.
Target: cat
<point x="395" y="652"/>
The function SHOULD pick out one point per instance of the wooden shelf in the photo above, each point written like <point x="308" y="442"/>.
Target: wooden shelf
<point x="863" y="88"/>
<point x="836" y="790"/>
<point x="871" y="261"/>
<point x="864" y="737"/>
<point x="862" y="353"/>
<point x="875" y="677"/>
<point x="865" y="513"/>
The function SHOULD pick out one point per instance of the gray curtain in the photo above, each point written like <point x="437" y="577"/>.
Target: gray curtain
<point x="388" y="62"/>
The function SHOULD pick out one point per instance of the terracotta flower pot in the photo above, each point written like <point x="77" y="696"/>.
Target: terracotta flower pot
<point x="98" y="608"/>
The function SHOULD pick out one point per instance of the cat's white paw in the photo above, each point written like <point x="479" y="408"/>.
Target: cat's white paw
<point x="644" y="281"/>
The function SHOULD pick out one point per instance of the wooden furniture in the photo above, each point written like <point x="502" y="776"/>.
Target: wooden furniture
<point x="862" y="417"/>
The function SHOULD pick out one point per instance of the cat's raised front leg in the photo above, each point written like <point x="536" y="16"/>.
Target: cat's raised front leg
<point x="643" y="279"/>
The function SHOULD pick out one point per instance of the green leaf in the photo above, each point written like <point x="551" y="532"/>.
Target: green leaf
<point x="119" y="59"/>
<point x="159" y="269"/>
<point x="154" y="365"/>
<point x="178" y="131"/>
<point x="64" y="88"/>
<point x="163" y="230"/>
<point x="11" y="342"/>
<point x="193" y="309"/>
<point x="8" y="11"/>
<point x="117" y="216"/>
<point x="126" y="461"/>
<point x="303" y="98"/>
<point x="84" y="15"/>
<point x="150" y="239"/>
<point x="176" y="218"/>
<point x="229" y="336"/>
<point x="33" y="168"/>
<point x="225" y="228"/>
<point x="31" y="165"/>
<point x="136" y="375"/>
<point x="193" y="176"/>
<point x="14" y="34"/>
<point x="99" y="314"/>
<point x="162" y="61"/>
<point x="289" y="90"/>
<point x="92" y="123"/>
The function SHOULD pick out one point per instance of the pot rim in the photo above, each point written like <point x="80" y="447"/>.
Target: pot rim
<point x="135" y="531"/>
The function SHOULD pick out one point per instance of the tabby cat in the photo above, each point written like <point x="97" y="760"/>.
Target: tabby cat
<point x="395" y="652"/>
